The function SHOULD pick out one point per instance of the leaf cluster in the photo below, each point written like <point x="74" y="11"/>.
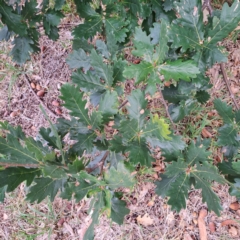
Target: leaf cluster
<point x="112" y="131"/>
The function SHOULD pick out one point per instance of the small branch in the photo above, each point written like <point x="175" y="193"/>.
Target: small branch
<point x="29" y="85"/>
<point x="99" y="164"/>
<point x="29" y="165"/>
<point x="166" y="108"/>
<point x="228" y="86"/>
<point x="201" y="224"/>
<point x="123" y="104"/>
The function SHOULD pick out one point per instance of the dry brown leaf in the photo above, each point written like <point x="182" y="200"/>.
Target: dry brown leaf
<point x="58" y="111"/>
<point x="212" y="227"/>
<point x="187" y="236"/>
<point x="145" y="220"/>
<point x="230" y="222"/>
<point x="36" y="77"/>
<point x="13" y="114"/>
<point x="68" y="228"/>
<point x="5" y="216"/>
<point x="60" y="222"/>
<point x="155" y="175"/>
<point x="234" y="89"/>
<point x="167" y="84"/>
<point x="206" y="133"/>
<point x="234" y="206"/>
<point x="233" y="231"/>
<point x="145" y="188"/>
<point x="150" y="203"/>
<point x="111" y="123"/>
<point x="157" y="169"/>
<point x="170" y="218"/>
<point x="201" y="224"/>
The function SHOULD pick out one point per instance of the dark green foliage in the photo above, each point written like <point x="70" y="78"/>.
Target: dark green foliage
<point x="112" y="130"/>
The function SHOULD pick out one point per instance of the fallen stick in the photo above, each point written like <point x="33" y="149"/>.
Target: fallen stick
<point x="201" y="224"/>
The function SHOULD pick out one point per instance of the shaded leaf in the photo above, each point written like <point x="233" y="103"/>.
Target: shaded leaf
<point x="119" y="177"/>
<point x="12" y="177"/>
<point x="79" y="59"/>
<point x="45" y="187"/>
<point x="118" y="210"/>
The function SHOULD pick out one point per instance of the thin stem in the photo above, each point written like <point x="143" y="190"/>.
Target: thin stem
<point x="228" y="86"/>
<point x="166" y="108"/>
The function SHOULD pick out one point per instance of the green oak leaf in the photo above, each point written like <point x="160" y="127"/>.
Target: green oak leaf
<point x="118" y="69"/>
<point x="228" y="136"/>
<point x="82" y="43"/>
<point x="101" y="69"/>
<point x="54" y="172"/>
<point x="229" y="20"/>
<point x="162" y="126"/>
<point x="179" y="70"/>
<point x="120" y="177"/>
<point x="155" y="33"/>
<point x="22" y="49"/>
<point x="118" y="210"/>
<point x="5" y="34"/>
<point x="79" y="59"/>
<point x="30" y="11"/>
<point x="2" y="193"/>
<point x="171" y="149"/>
<point x="144" y="47"/>
<point x="108" y="105"/>
<point x="168" y="5"/>
<point x="236" y="167"/>
<point x="178" y="193"/>
<point x="202" y="96"/>
<point x="51" y="18"/>
<point x="84" y="143"/>
<point x="137" y="106"/>
<point x="173" y="94"/>
<point x="196" y="154"/>
<point x="85" y="183"/>
<point x="13" y="20"/>
<point x="139" y="153"/>
<point x="89" y="28"/>
<point x="162" y="48"/>
<point x="164" y="185"/>
<point x="235" y="188"/>
<point x="59" y="4"/>
<point x="41" y="152"/>
<point x="15" y="152"/>
<point x="14" y="131"/>
<point x="139" y="71"/>
<point x="45" y="187"/>
<point x="202" y="175"/>
<point x="224" y="111"/>
<point x="72" y="126"/>
<point x="88" y="82"/>
<point x="117" y="26"/>
<point x="98" y="203"/>
<point x="13" y="176"/>
<point x="47" y="135"/>
<point x="73" y="101"/>
<point x="102" y="48"/>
